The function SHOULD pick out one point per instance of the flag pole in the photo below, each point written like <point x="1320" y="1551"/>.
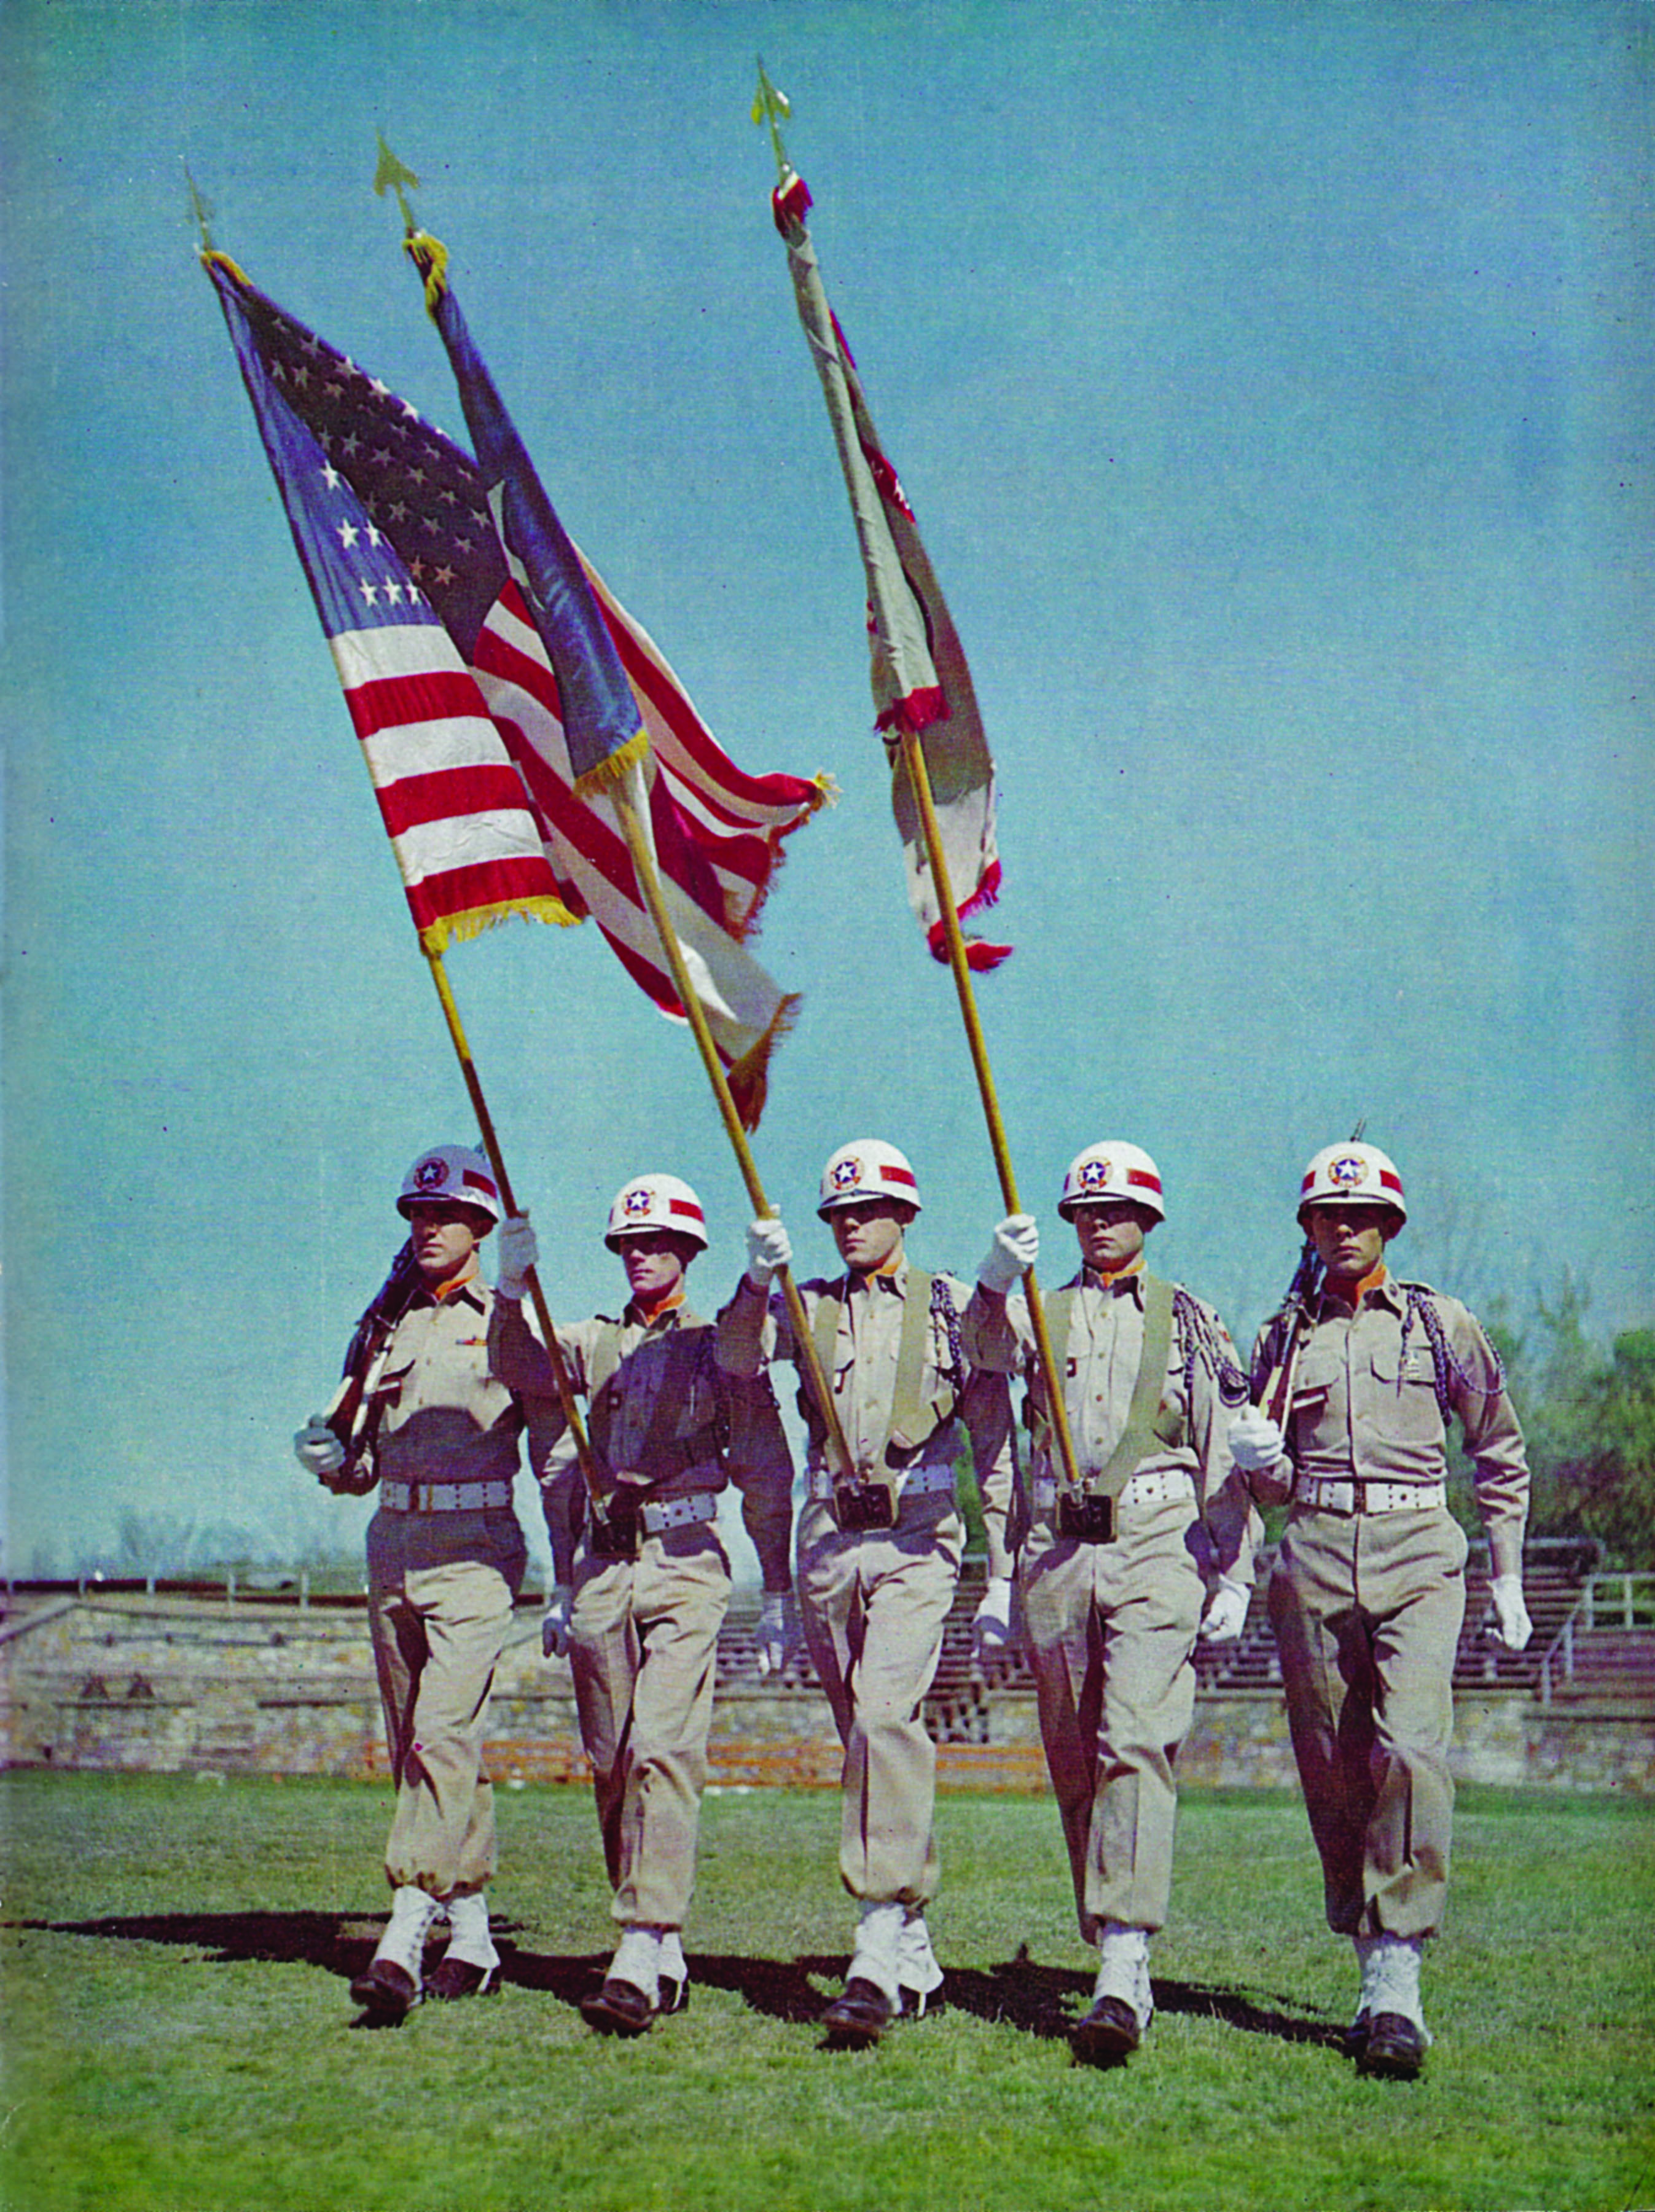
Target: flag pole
<point x="627" y="793"/>
<point x="919" y="781"/>
<point x="491" y="1146"/>
<point x="770" y="107"/>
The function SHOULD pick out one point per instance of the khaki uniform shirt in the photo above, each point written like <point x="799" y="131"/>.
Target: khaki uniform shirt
<point x="440" y="1416"/>
<point x="1365" y="1404"/>
<point x="1100" y="1360"/>
<point x="718" y="1429"/>
<point x="862" y="1374"/>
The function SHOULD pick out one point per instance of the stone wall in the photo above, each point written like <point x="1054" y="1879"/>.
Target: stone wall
<point x="179" y="1685"/>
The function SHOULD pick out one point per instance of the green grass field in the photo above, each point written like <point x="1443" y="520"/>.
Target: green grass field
<point x="179" y="2037"/>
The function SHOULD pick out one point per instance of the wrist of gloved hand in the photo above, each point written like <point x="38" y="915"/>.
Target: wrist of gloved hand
<point x="1226" y="1612"/>
<point x="777" y="1636"/>
<point x="555" y="1622"/>
<point x="1512" y="1624"/>
<point x="991" y="1625"/>
<point x="770" y="1248"/>
<point x="1015" y="1248"/>
<point x="1255" y="1442"/>
<point x="519" y="1254"/>
<point x="317" y="1449"/>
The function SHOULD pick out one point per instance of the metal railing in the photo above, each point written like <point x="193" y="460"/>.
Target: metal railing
<point x="1606" y="1601"/>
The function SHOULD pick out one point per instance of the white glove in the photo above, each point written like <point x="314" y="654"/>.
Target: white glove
<point x="520" y="1250"/>
<point x="317" y="1449"/>
<point x="770" y="1248"/>
<point x="1015" y="1248"/>
<point x="1255" y="1444"/>
<point x="555" y="1637"/>
<point x="1227" y="1613"/>
<point x="1511" y="1623"/>
<point x="991" y="1624"/>
<point x="778" y="1631"/>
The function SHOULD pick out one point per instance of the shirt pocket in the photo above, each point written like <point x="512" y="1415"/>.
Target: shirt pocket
<point x="1404" y="1386"/>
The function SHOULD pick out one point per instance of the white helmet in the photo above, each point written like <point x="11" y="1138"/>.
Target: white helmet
<point x="865" y="1170"/>
<point x="656" y="1201"/>
<point x="1354" y="1175"/>
<point x="1112" y="1171"/>
<point x="452" y="1172"/>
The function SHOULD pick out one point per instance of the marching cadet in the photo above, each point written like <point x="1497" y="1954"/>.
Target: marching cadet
<point x="878" y="1549"/>
<point x="446" y="1559"/>
<point x="1368" y="1593"/>
<point x="642" y="1581"/>
<point x="1112" y="1573"/>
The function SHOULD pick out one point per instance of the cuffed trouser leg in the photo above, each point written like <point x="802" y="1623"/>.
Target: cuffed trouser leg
<point x="643" y="1652"/>
<point x="437" y="1637"/>
<point x="1112" y="1630"/>
<point x="873" y="1607"/>
<point x="1367" y="1611"/>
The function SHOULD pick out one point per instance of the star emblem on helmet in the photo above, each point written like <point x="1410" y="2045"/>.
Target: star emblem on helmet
<point x="639" y="1201"/>
<point x="431" y="1174"/>
<point x="1348" y="1172"/>
<point x="847" y="1173"/>
<point x="1094" y="1176"/>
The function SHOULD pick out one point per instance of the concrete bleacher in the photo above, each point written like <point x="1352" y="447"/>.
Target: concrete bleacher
<point x="1613" y="1663"/>
<point x="176" y="1680"/>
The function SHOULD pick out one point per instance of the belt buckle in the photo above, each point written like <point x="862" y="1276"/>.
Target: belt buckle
<point x="1085" y="1520"/>
<point x="1359" y="1494"/>
<point x="860" y="1506"/>
<point x="612" y="1529"/>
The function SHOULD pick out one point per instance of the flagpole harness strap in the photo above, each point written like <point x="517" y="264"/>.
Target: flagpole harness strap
<point x="1158" y="1487"/>
<point x="1087" y="1512"/>
<point x="868" y="1499"/>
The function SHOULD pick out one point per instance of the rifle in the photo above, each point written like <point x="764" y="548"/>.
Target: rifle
<point x="1272" y="1380"/>
<point x="348" y="1416"/>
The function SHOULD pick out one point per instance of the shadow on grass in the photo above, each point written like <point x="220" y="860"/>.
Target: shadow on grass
<point x="1037" y="2000"/>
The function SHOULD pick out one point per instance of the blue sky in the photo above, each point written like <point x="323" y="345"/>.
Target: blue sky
<point x="1273" y="386"/>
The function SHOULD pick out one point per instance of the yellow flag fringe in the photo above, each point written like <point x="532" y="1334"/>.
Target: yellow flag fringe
<point x="457" y="929"/>
<point x="596" y="782"/>
<point x="431" y="257"/>
<point x="749" y="1078"/>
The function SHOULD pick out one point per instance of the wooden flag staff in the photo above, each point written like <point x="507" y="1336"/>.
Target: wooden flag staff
<point x="630" y="804"/>
<point x="491" y="1146"/>
<point x="919" y="781"/>
<point x="770" y="107"/>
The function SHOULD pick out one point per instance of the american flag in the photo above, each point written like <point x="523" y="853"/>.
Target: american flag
<point x="453" y="692"/>
<point x="921" y="679"/>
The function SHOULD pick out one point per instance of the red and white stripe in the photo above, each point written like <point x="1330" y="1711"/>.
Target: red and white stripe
<point x="451" y="800"/>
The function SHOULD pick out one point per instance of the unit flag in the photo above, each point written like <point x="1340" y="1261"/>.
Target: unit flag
<point x="921" y="679"/>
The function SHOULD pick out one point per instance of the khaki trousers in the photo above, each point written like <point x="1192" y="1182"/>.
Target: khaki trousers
<point x="644" y="1643"/>
<point x="438" y="1633"/>
<point x="873" y="1607"/>
<point x="1366" y="1610"/>
<point x="1111" y="1628"/>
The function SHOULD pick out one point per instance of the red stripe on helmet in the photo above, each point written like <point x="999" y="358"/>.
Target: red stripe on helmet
<point x="1390" y="1182"/>
<point x="897" y="1175"/>
<point x="691" y="1213"/>
<point x="1142" y="1177"/>
<point x="473" y="1180"/>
